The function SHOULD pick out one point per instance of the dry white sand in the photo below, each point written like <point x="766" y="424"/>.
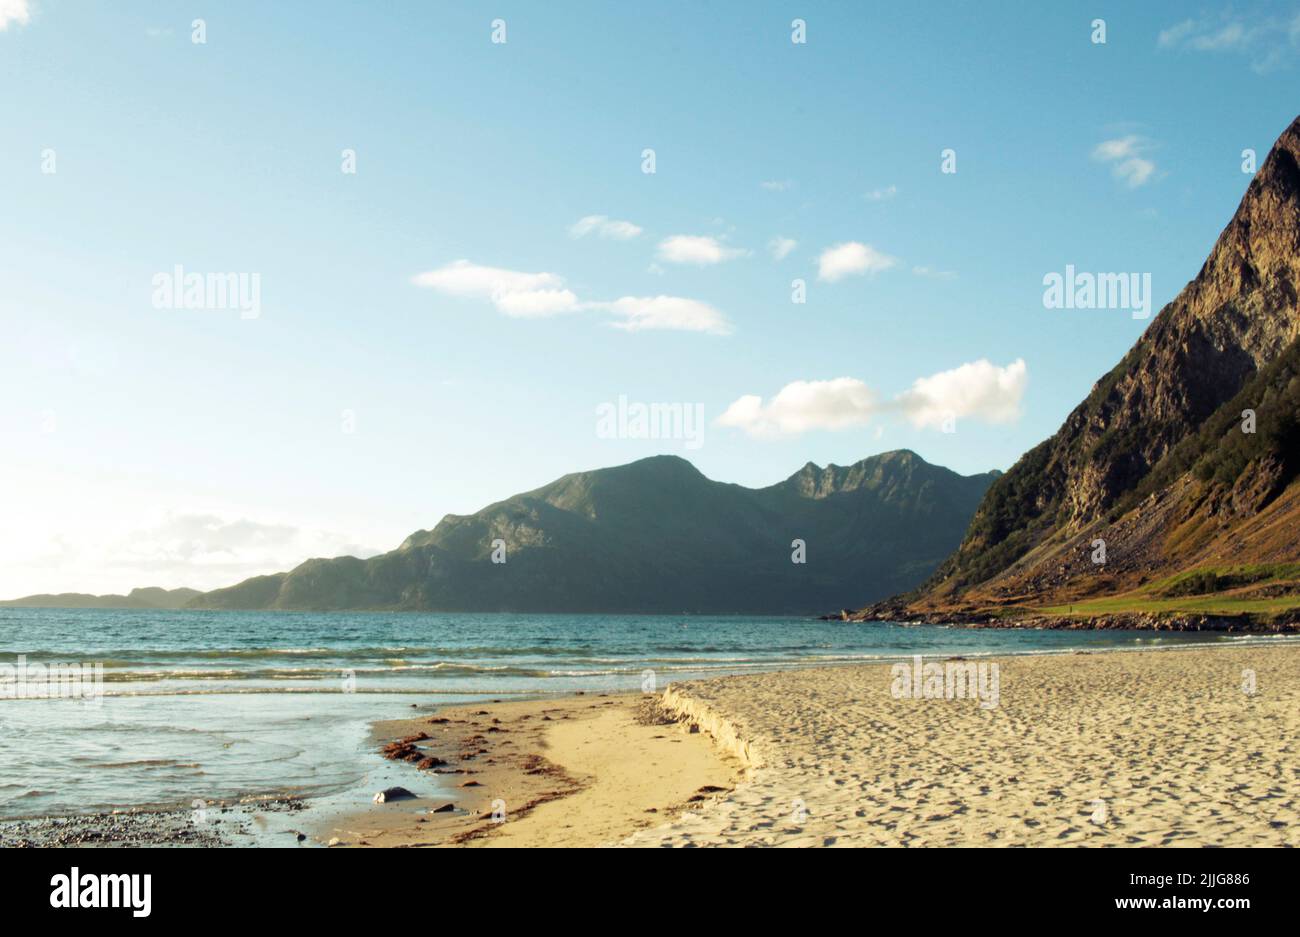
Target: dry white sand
<point x="1104" y="749"/>
<point x="1115" y="748"/>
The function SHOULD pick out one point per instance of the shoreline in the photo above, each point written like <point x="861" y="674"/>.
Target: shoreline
<point x="214" y="823"/>
<point x="578" y="770"/>
<point x="603" y="768"/>
<point x="1061" y="761"/>
<point x="1239" y="623"/>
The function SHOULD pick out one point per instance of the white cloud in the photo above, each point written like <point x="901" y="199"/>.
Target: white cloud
<point x="1127" y="159"/>
<point x="1266" y="41"/>
<point x="14" y="11"/>
<point x="191" y="538"/>
<point x="521" y="295"/>
<point x="1135" y="171"/>
<point x="78" y="530"/>
<point x="535" y="304"/>
<point x="781" y="247"/>
<point x="694" y="249"/>
<point x="880" y="195"/>
<point x="538" y="295"/>
<point x="850" y="259"/>
<point x="801" y="406"/>
<point x="462" y="278"/>
<point x="667" y="312"/>
<point x="605" y="227"/>
<point x="1118" y="148"/>
<point x="776" y="185"/>
<point x="1173" y="36"/>
<point x="1232" y="36"/>
<point x="1204" y="36"/>
<point x="978" y="390"/>
<point x="209" y="551"/>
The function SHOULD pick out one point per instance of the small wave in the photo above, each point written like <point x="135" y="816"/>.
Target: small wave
<point x="142" y="763"/>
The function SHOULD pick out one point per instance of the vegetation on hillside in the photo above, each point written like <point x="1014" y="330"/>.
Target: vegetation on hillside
<point x="656" y="536"/>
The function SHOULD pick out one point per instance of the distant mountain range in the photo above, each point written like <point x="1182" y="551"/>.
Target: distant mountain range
<point x="138" y="598"/>
<point x="656" y="536"/>
<point x="1170" y="495"/>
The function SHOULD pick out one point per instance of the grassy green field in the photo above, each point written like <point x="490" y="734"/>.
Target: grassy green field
<point x="1216" y="590"/>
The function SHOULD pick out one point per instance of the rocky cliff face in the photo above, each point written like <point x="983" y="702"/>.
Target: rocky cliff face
<point x="1236" y="317"/>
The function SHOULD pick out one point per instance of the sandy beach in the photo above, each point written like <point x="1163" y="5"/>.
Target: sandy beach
<point x="585" y="770"/>
<point x="1191" y="747"/>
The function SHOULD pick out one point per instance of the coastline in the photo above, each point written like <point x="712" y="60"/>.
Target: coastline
<point x="579" y="770"/>
<point x="1085" y="748"/>
<point x="737" y="760"/>
<point x="1237" y="623"/>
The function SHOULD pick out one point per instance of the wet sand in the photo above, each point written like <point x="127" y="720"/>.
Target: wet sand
<point x="578" y="771"/>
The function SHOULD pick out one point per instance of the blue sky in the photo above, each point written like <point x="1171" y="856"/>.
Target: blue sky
<point x="197" y="446"/>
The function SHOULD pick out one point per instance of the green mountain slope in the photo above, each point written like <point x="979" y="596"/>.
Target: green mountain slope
<point x="657" y="536"/>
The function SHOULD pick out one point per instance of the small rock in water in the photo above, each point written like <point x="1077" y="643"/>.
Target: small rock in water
<point x="392" y="793"/>
<point x="445" y="808"/>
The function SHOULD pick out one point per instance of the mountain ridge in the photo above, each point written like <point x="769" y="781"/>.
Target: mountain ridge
<point x="655" y="536"/>
<point x="139" y="598"/>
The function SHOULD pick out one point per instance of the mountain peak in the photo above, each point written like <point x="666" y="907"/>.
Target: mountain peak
<point x="1259" y="249"/>
<point x="904" y="456"/>
<point x="897" y="456"/>
<point x="664" y="461"/>
<point x="656" y="535"/>
<point x="883" y="470"/>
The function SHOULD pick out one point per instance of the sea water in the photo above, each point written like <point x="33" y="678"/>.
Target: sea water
<point x="223" y="705"/>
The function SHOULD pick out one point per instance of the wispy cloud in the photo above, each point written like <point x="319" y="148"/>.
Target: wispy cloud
<point x="696" y="249"/>
<point x="539" y="295"/>
<point x="776" y="185"/>
<point x="14" y="11"/>
<point x="1128" y="159"/>
<point x="930" y="273"/>
<point x="640" y="313"/>
<point x="780" y="247"/>
<point x="1267" y="42"/>
<point x="605" y="227"/>
<point x="880" y="195"/>
<point x="978" y="390"/>
<point x="851" y="258"/>
<point x="207" y="550"/>
<point x="516" y="294"/>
